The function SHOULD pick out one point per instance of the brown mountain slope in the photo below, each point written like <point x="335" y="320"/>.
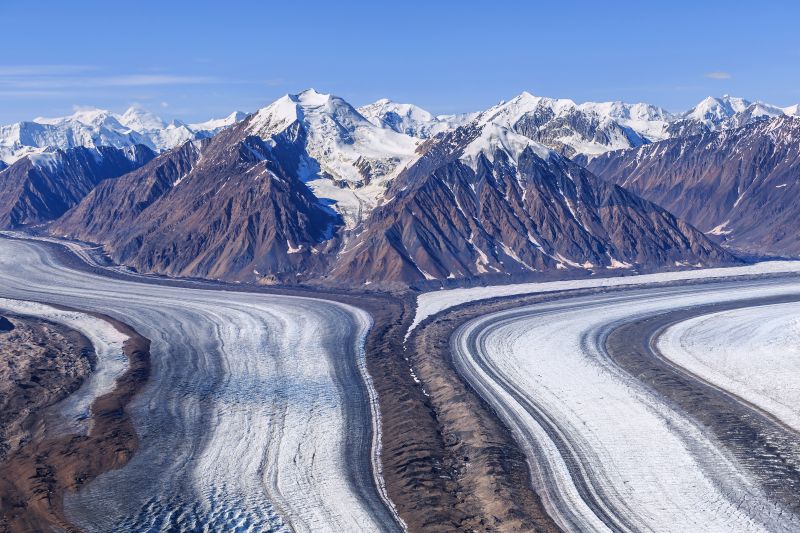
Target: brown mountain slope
<point x="514" y="212"/>
<point x="41" y="187"/>
<point x="223" y="209"/>
<point x="118" y="204"/>
<point x="479" y="201"/>
<point x="741" y="185"/>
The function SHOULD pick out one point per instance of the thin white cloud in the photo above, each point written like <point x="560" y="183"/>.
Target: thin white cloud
<point x="127" y="80"/>
<point x="54" y="80"/>
<point x="34" y="93"/>
<point x="43" y="70"/>
<point x="140" y="80"/>
<point x="718" y="75"/>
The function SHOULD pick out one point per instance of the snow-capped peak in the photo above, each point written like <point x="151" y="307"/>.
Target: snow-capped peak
<point x="214" y="125"/>
<point x="494" y="138"/>
<point x="141" y="120"/>
<point x="793" y="110"/>
<point x="310" y="97"/>
<point x="624" y="111"/>
<point x="344" y="157"/>
<point x="339" y="138"/>
<point x="290" y="108"/>
<point x="91" y="127"/>
<point x="712" y="110"/>
<point x="383" y="106"/>
<point x="87" y="116"/>
<point x="760" y="109"/>
<point x="409" y="118"/>
<point x="509" y="113"/>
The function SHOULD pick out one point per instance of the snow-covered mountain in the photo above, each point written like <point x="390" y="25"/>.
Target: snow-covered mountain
<point x="566" y="126"/>
<point x="411" y="119"/>
<point x="587" y="129"/>
<point x="740" y="185"/>
<point x="714" y="111"/>
<point x="484" y="201"/>
<point x="792" y="110"/>
<point x="570" y="128"/>
<point x="385" y="192"/>
<point x="479" y="200"/>
<point x="341" y="155"/>
<point x="216" y="124"/>
<point x="349" y="156"/>
<point x="93" y="128"/>
<point x="343" y="142"/>
<point x="356" y="147"/>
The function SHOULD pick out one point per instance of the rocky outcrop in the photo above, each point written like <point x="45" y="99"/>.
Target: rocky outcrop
<point x="739" y="185"/>
<point x="5" y="324"/>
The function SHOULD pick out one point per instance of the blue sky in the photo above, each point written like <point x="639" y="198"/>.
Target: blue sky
<point x="194" y="60"/>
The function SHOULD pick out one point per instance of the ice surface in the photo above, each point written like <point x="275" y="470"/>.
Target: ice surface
<point x="258" y="414"/>
<point x="430" y="303"/>
<point x="753" y="352"/>
<point x="594" y="433"/>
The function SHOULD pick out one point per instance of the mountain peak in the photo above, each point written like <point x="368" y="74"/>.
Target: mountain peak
<point x="139" y="119"/>
<point x="409" y="119"/>
<point x="713" y="110"/>
<point x="495" y="138"/>
<point x="215" y="124"/>
<point x="89" y="116"/>
<point x="338" y="147"/>
<point x="508" y="113"/>
<point x="793" y="110"/>
<point x="311" y="97"/>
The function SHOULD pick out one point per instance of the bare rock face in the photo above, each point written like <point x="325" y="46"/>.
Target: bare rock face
<point x="223" y="208"/>
<point x="739" y="185"/>
<point x="513" y="212"/>
<point x="41" y="187"/>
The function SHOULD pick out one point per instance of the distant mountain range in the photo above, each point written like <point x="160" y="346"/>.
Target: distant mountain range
<point x="312" y="189"/>
<point x="587" y="129"/>
<point x="91" y="128"/>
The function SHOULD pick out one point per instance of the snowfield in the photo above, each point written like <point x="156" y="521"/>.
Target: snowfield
<point x="753" y="352"/>
<point x="430" y="303"/>
<point x="258" y="414"/>
<point x="606" y="453"/>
